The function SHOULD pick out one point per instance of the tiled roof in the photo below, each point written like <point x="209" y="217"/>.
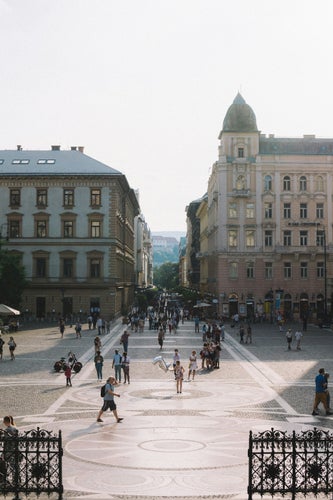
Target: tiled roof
<point x="51" y="162"/>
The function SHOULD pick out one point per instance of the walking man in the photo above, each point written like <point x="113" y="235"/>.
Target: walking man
<point x="298" y="338"/>
<point x="109" y="403"/>
<point x="116" y="364"/>
<point x="321" y="393"/>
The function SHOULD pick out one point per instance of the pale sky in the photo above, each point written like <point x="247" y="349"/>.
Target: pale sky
<point x="144" y="85"/>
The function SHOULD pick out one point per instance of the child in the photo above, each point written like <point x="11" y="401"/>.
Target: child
<point x="68" y="375"/>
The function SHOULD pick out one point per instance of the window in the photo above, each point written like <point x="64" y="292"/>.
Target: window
<point x="68" y="266"/>
<point x="303" y="211"/>
<point x="21" y="162"/>
<point x="68" y="197"/>
<point x="302" y="183"/>
<point x="232" y="210"/>
<point x="320" y="270"/>
<point x="68" y="226"/>
<point x="44" y="161"/>
<point x="95" y="229"/>
<point x="41" y="198"/>
<point x="95" y="268"/>
<point x="320" y="210"/>
<point x="40" y="267"/>
<point x="286" y="210"/>
<point x="287" y="238"/>
<point x="250" y="210"/>
<point x="286" y="183"/>
<point x="320" y="238"/>
<point x="233" y="270"/>
<point x="319" y="183"/>
<point x="268" y="210"/>
<point x="41" y="228"/>
<point x="268" y="238"/>
<point x="287" y="270"/>
<point x="250" y="270"/>
<point x="232" y="238"/>
<point x="240" y="152"/>
<point x="249" y="238"/>
<point x="95" y="198"/>
<point x="268" y="270"/>
<point x="304" y="269"/>
<point x="303" y="238"/>
<point x="268" y="183"/>
<point x="15" y="197"/>
<point x="14" y="229"/>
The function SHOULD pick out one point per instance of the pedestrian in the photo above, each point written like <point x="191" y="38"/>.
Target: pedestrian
<point x="298" y="338"/>
<point x="196" y="324"/>
<point x="179" y="375"/>
<point x="10" y="447"/>
<point x="99" y="326"/>
<point x="125" y="362"/>
<point x="124" y="340"/>
<point x="78" y="329"/>
<point x="193" y="365"/>
<point x="289" y="337"/>
<point x="241" y="333"/>
<point x="12" y="347"/>
<point x="116" y="364"/>
<point x="99" y="360"/>
<point x="176" y="357"/>
<point x="2" y="342"/>
<point x="321" y="394"/>
<point x="62" y="327"/>
<point x="97" y="344"/>
<point x="90" y="320"/>
<point x="68" y="375"/>
<point x="10" y="427"/>
<point x="160" y="337"/>
<point x="248" y="335"/>
<point x="108" y="400"/>
<point x="222" y="332"/>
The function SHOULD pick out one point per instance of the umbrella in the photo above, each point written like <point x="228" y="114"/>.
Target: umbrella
<point x="8" y="311"/>
<point x="203" y="304"/>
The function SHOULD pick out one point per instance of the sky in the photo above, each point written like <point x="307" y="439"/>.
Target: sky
<point x="144" y="85"/>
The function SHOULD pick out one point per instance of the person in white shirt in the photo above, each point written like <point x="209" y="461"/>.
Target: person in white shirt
<point x="298" y="337"/>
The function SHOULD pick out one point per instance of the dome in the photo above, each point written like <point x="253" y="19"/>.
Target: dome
<point x="240" y="117"/>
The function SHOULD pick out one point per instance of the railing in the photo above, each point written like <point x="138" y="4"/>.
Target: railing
<point x="282" y="463"/>
<point x="31" y="462"/>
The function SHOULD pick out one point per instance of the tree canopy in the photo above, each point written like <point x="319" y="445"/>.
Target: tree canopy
<point x="12" y="279"/>
<point x="167" y="275"/>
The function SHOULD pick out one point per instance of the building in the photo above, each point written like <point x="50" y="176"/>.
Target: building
<point x="143" y="253"/>
<point x="71" y="220"/>
<point x="270" y="221"/>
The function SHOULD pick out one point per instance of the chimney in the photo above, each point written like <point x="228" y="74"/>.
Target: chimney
<point x="81" y="149"/>
<point x="19" y="147"/>
<point x="55" y="148"/>
<point x="73" y="148"/>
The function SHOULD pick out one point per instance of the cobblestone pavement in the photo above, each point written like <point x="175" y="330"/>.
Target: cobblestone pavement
<point x="191" y="445"/>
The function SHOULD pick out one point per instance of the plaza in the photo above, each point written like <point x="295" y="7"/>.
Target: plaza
<point x="191" y="445"/>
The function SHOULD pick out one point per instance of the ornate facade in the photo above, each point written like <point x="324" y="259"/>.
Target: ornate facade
<point x="270" y="221"/>
<point x="71" y="219"/>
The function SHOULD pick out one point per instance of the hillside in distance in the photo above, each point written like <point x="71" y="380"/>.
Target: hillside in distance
<point x="166" y="247"/>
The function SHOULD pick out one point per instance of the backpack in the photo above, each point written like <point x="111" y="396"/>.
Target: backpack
<point x="103" y="391"/>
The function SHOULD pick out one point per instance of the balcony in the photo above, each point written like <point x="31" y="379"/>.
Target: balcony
<point x="241" y="193"/>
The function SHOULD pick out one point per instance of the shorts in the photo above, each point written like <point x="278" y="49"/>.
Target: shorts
<point x="109" y="405"/>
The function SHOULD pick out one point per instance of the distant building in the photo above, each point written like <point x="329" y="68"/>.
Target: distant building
<point x="143" y="252"/>
<point x="269" y="221"/>
<point x="164" y="241"/>
<point x="182" y="262"/>
<point x="70" y="218"/>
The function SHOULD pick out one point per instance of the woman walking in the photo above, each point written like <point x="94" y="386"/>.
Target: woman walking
<point x="179" y="375"/>
<point x="193" y="365"/>
<point x="160" y="337"/>
<point x="98" y="360"/>
<point x="12" y="347"/>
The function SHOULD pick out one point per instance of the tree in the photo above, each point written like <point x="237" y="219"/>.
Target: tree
<point x="167" y="275"/>
<point x="12" y="279"/>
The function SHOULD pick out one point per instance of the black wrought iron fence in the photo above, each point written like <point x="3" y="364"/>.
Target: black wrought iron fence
<point x="31" y="462"/>
<point x="283" y="463"/>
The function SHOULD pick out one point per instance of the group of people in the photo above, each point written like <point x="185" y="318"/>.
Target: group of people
<point x="322" y="394"/>
<point x="298" y="337"/>
<point x="11" y="346"/>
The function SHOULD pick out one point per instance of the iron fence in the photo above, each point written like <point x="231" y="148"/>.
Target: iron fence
<point x="290" y="463"/>
<point x="31" y="462"/>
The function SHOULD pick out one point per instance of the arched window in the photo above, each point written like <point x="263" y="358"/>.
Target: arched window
<point x="302" y="183"/>
<point x="286" y="183"/>
<point x="268" y="183"/>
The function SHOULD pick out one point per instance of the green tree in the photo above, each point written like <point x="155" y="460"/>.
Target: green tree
<point x="12" y="279"/>
<point x="167" y="275"/>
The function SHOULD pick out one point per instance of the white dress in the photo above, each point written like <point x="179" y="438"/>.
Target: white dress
<point x="193" y="363"/>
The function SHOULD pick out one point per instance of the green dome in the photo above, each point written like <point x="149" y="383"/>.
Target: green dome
<point x="240" y="117"/>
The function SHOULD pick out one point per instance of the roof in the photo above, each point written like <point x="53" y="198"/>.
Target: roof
<point x="51" y="162"/>
<point x="240" y="117"/>
<point x="308" y="145"/>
